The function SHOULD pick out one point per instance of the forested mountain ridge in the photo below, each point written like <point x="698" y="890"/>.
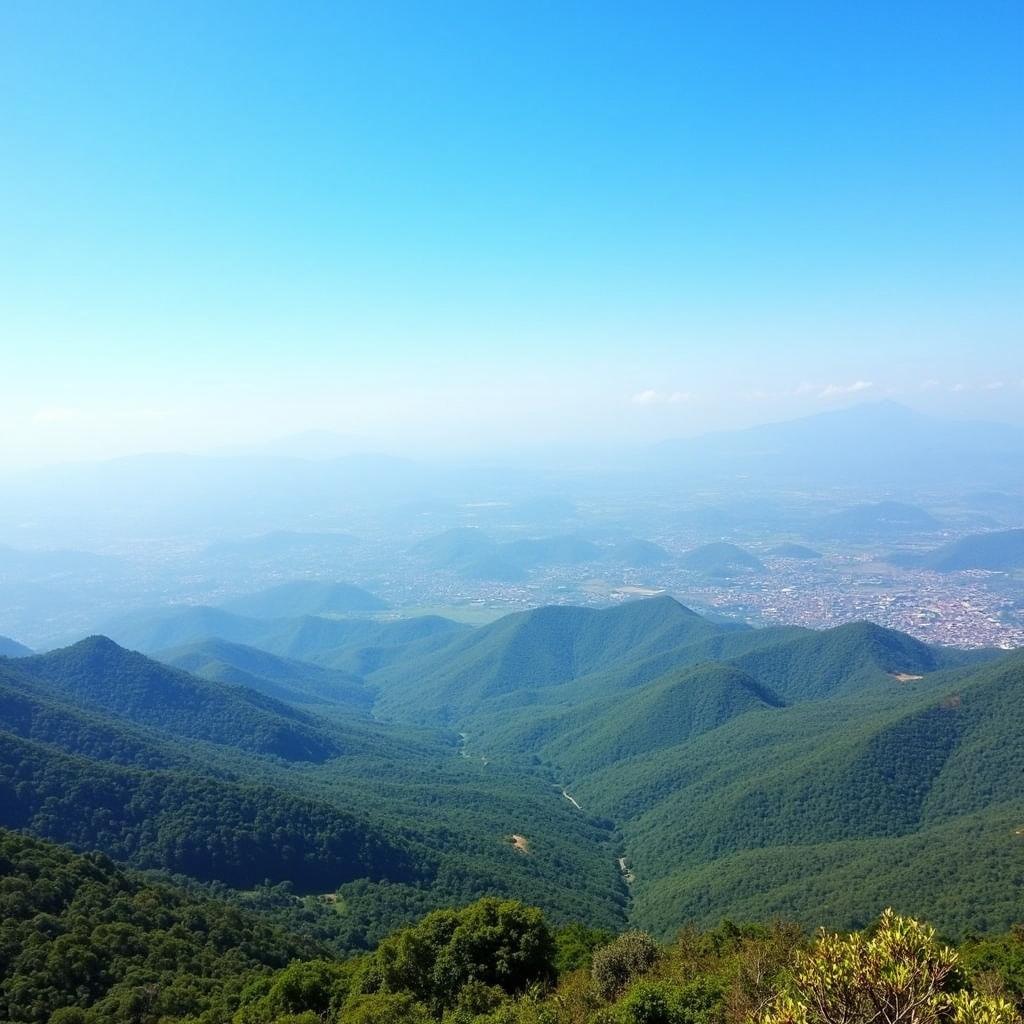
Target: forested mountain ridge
<point x="542" y="648"/>
<point x="873" y="784"/>
<point x="184" y="822"/>
<point x="287" y="679"/>
<point x="642" y="731"/>
<point x="99" y="674"/>
<point x="103" y="748"/>
<point x="306" y="637"/>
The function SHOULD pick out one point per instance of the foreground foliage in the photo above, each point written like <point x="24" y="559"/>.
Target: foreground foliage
<point x="84" y="942"/>
<point x="77" y="933"/>
<point x="898" y="974"/>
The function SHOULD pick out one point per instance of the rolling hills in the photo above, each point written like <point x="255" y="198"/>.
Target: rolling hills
<point x="307" y="637"/>
<point x="287" y="679"/>
<point x="102" y="748"/>
<point x="541" y="648"/>
<point x="735" y="770"/>
<point x="720" y="559"/>
<point x="705" y="744"/>
<point x="100" y="676"/>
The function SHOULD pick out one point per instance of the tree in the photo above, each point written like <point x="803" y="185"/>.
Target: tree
<point x="495" y="943"/>
<point x="629" y="957"/>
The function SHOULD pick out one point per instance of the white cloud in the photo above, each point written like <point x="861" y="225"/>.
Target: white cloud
<point x="49" y="414"/>
<point x="831" y="390"/>
<point x="652" y="397"/>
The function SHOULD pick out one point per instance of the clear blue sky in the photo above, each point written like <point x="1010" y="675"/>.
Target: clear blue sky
<point x="436" y="222"/>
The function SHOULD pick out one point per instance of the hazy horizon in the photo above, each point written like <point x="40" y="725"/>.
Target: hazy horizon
<point x="452" y="229"/>
<point x="315" y="444"/>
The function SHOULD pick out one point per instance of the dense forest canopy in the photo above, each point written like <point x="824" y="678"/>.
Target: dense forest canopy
<point x="84" y="942"/>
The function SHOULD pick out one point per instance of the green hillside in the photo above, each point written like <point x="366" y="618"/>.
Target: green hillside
<point x="535" y="649"/>
<point x="965" y="873"/>
<point x="85" y="942"/>
<point x="841" y="660"/>
<point x="671" y="710"/>
<point x="26" y="713"/>
<point x="105" y="749"/>
<point x="683" y="744"/>
<point x="926" y="755"/>
<point x="182" y="822"/>
<point x="101" y="676"/>
<point x="286" y="679"/>
<point x="702" y="742"/>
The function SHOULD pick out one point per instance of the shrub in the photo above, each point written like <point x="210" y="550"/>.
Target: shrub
<point x="897" y="975"/>
<point x="629" y="957"/>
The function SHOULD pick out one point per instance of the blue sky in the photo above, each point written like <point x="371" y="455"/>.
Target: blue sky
<point x="456" y="224"/>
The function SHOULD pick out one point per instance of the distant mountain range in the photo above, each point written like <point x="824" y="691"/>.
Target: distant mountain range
<point x="475" y="555"/>
<point x="305" y="597"/>
<point x="42" y="564"/>
<point x="882" y="519"/>
<point x="874" y="443"/>
<point x="307" y="637"/>
<point x="12" y="649"/>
